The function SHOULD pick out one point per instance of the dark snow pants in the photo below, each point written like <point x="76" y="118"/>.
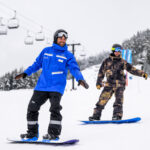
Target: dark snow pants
<point x="104" y="98"/>
<point x="37" y="100"/>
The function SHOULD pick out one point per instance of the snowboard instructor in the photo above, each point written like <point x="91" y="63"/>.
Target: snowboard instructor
<point x="113" y="67"/>
<point x="54" y="62"/>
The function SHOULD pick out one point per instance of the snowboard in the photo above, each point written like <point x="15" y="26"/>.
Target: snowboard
<point x="44" y="142"/>
<point x="132" y="120"/>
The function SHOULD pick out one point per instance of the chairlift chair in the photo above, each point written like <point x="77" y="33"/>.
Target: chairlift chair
<point x="3" y="28"/>
<point x="13" y="23"/>
<point x="28" y="39"/>
<point x="83" y="55"/>
<point x="40" y="35"/>
<point x="91" y="61"/>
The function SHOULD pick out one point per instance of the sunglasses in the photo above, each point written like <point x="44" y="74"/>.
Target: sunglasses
<point x="61" y="34"/>
<point x="117" y="49"/>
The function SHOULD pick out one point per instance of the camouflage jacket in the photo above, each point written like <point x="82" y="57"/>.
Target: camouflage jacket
<point x="113" y="67"/>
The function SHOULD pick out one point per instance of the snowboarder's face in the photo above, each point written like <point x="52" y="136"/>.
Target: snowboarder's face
<point x="61" y="41"/>
<point x="117" y="54"/>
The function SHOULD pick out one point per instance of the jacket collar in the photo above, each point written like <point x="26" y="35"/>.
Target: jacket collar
<point x="113" y="57"/>
<point x="58" y="47"/>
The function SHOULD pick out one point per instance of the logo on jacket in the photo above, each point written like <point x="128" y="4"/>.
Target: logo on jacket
<point x="60" y="60"/>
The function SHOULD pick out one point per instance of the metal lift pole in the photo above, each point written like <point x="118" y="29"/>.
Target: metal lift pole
<point x="73" y="51"/>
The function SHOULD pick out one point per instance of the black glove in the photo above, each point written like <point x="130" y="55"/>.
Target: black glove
<point x="83" y="83"/>
<point x="22" y="75"/>
<point x="98" y="87"/>
<point x="145" y="75"/>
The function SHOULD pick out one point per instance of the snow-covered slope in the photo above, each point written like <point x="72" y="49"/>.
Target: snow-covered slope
<point x="78" y="105"/>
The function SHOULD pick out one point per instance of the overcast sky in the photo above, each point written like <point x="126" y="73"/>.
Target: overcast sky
<point x="96" y="24"/>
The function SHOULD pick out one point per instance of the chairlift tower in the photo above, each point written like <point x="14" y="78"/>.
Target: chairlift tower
<point x="73" y="51"/>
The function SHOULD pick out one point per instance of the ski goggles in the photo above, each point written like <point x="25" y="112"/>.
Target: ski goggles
<point x="61" y="34"/>
<point x="116" y="49"/>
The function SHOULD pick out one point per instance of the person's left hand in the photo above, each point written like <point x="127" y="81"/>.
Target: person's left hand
<point x="145" y="75"/>
<point x="83" y="83"/>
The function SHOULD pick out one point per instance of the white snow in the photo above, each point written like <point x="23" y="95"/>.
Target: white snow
<point x="78" y="105"/>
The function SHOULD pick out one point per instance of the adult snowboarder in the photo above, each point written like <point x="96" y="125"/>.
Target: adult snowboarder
<point x="113" y="67"/>
<point x="54" y="62"/>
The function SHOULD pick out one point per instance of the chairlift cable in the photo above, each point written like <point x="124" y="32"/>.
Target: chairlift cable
<point x="25" y="17"/>
<point x="45" y="30"/>
<point x="34" y="22"/>
<point x="4" y="13"/>
<point x="1" y="3"/>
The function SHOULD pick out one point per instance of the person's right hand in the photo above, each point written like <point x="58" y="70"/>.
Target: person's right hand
<point x="99" y="85"/>
<point x="22" y="75"/>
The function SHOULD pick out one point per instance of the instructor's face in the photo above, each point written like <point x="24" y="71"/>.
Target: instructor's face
<point x="61" y="41"/>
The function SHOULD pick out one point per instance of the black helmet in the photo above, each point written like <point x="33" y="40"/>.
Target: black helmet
<point x="60" y="33"/>
<point x="118" y="46"/>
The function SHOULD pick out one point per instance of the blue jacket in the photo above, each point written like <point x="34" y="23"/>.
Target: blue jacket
<point x="55" y="62"/>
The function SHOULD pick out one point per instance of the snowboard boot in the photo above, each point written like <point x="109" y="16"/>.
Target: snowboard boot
<point x="96" y="115"/>
<point x="50" y="137"/>
<point x="116" y="118"/>
<point x="29" y="136"/>
<point x="94" y="118"/>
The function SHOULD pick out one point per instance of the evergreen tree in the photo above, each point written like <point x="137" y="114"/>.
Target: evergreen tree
<point x="140" y="46"/>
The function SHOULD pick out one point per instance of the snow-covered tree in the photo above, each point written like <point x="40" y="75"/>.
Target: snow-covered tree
<point x="140" y="46"/>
